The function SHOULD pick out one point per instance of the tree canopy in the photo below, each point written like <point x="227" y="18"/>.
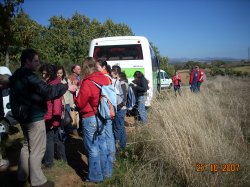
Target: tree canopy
<point x="8" y="10"/>
<point x="65" y="41"/>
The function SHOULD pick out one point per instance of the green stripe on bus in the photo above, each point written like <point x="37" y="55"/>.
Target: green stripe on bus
<point x="130" y="71"/>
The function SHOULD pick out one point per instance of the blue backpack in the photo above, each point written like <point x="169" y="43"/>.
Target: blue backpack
<point x="131" y="100"/>
<point x="107" y="102"/>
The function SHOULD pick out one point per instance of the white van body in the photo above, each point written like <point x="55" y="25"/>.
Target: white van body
<point x="131" y="53"/>
<point x="166" y="81"/>
<point x="5" y="93"/>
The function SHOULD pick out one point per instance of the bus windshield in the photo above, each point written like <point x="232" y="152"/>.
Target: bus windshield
<point x="118" y="52"/>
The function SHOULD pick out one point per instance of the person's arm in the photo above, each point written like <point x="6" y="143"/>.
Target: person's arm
<point x="125" y="92"/>
<point x="4" y="81"/>
<point x="179" y="78"/>
<point x="191" y="77"/>
<point x="83" y="96"/>
<point x="201" y="76"/>
<point x="144" y="85"/>
<point x="49" y="92"/>
<point x="173" y="78"/>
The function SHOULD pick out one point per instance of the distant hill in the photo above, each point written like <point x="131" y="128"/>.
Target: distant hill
<point x="207" y="59"/>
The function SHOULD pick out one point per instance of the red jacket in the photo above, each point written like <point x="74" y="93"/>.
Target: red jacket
<point x="87" y="99"/>
<point x="54" y="112"/>
<point x="200" y="76"/>
<point x="176" y="80"/>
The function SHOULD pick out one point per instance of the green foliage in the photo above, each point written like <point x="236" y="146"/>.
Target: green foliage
<point x="239" y="73"/>
<point x="64" y="42"/>
<point x="218" y="63"/>
<point x="171" y="70"/>
<point x="191" y="64"/>
<point x="229" y="71"/>
<point x="164" y="62"/>
<point x="216" y="71"/>
<point x="8" y="10"/>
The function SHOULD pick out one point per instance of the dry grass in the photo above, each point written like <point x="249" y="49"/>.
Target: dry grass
<point x="210" y="127"/>
<point x="242" y="68"/>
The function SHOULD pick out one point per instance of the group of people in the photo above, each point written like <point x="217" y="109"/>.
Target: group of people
<point x="195" y="80"/>
<point x="40" y="103"/>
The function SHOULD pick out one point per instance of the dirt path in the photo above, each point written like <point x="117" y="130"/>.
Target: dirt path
<point x="71" y="174"/>
<point x="68" y="174"/>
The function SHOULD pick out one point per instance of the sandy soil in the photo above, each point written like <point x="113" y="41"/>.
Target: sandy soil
<point x="72" y="174"/>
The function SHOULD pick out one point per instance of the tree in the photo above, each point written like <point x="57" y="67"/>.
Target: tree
<point x="164" y="62"/>
<point x="8" y="10"/>
<point x="64" y="42"/>
<point x="109" y="28"/>
<point x="218" y="63"/>
<point x="25" y="31"/>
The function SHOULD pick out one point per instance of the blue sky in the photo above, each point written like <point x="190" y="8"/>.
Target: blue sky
<point x="179" y="28"/>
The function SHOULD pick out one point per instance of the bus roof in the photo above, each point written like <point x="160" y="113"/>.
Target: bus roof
<point x="126" y="39"/>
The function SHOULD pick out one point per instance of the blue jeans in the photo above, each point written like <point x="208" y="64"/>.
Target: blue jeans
<point x="99" y="165"/>
<point x="108" y="130"/>
<point x="52" y="140"/>
<point x="119" y="128"/>
<point x="194" y="86"/>
<point x="141" y="109"/>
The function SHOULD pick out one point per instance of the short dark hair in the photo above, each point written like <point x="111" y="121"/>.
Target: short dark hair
<point x="27" y="54"/>
<point x="117" y="68"/>
<point x="50" y="69"/>
<point x="138" y="75"/>
<point x="105" y="64"/>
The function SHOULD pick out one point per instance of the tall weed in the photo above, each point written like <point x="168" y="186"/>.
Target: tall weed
<point x="210" y="127"/>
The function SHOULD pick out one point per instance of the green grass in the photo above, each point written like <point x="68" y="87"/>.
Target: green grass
<point x="61" y="164"/>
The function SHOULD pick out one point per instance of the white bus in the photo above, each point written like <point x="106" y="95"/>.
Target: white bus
<point x="131" y="53"/>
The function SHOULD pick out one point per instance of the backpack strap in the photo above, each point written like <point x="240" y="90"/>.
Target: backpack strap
<point x="98" y="130"/>
<point x="99" y="86"/>
<point x="107" y="75"/>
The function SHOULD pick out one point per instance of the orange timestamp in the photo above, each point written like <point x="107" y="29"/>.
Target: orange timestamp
<point x="214" y="167"/>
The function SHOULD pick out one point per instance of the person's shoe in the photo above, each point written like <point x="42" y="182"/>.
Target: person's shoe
<point x="46" y="184"/>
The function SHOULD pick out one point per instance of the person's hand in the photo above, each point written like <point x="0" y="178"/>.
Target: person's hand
<point x="72" y="88"/>
<point x="133" y="84"/>
<point x="74" y="82"/>
<point x="4" y="81"/>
